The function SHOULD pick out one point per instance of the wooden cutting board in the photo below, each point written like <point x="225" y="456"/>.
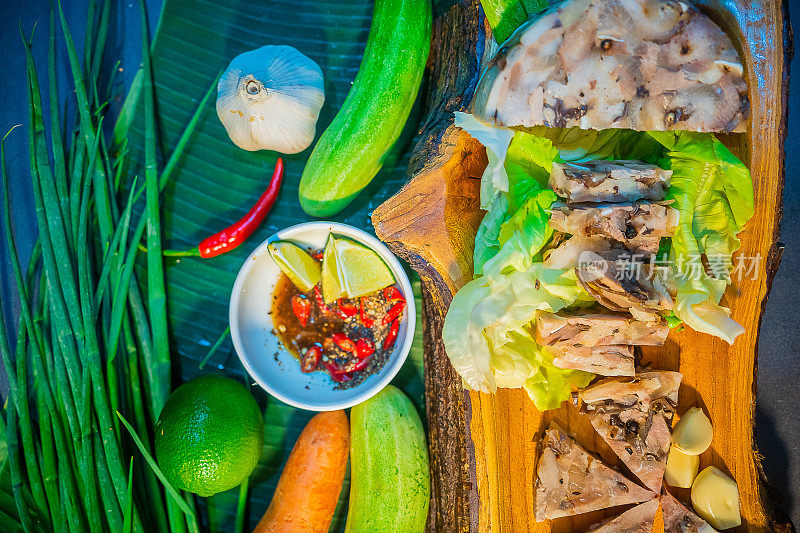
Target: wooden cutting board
<point x="482" y="446"/>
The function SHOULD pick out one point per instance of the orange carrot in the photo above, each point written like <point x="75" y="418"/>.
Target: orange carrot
<point x="308" y="490"/>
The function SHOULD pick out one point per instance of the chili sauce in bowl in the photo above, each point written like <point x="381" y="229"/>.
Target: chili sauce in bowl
<point x="350" y="339"/>
<point x="316" y="355"/>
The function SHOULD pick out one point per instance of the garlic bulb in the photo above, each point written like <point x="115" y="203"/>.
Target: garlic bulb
<point x="270" y="99"/>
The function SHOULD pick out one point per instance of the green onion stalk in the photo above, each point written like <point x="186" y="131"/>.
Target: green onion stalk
<point x="88" y="362"/>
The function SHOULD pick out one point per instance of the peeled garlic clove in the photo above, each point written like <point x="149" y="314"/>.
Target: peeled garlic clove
<point x="681" y="468"/>
<point x="693" y="433"/>
<point x="715" y="498"/>
<point x="270" y="99"/>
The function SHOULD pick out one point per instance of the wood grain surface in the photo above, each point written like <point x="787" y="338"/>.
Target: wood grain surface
<point x="483" y="447"/>
<point x="431" y="223"/>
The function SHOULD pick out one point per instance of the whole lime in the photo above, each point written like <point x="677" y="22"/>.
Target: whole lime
<point x="209" y="435"/>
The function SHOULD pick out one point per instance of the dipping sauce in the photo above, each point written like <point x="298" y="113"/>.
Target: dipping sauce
<point x="349" y="340"/>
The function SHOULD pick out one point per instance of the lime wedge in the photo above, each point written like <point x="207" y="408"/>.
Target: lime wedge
<point x="361" y="270"/>
<point x="331" y="286"/>
<point x="295" y="262"/>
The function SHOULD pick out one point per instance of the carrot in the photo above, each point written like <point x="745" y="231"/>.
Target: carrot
<point x="308" y="490"/>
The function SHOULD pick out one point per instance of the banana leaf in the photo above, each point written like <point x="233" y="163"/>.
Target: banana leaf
<point x="216" y="183"/>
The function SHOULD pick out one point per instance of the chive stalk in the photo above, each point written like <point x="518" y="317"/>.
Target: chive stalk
<point x="80" y="305"/>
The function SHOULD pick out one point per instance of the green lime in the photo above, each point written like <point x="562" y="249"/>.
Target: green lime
<point x="331" y="286"/>
<point x="295" y="262"/>
<point x="361" y="270"/>
<point x="209" y="435"/>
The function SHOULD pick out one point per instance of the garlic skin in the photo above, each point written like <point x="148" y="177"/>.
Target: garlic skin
<point x="270" y="99"/>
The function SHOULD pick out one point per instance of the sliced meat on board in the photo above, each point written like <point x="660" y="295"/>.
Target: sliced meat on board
<point x="634" y="416"/>
<point x="639" y="519"/>
<point x="624" y="284"/>
<point x="637" y="64"/>
<point x="613" y="360"/>
<point x="679" y="519"/>
<point x="639" y="226"/>
<point x="601" y="343"/>
<point x="609" y="181"/>
<point x="571" y="481"/>
<point x="594" y="328"/>
<point x="575" y="251"/>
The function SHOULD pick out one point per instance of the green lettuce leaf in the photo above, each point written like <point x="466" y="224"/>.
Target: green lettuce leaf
<point x="550" y="385"/>
<point x="487" y="239"/>
<point x="496" y="141"/>
<point x="527" y="164"/>
<point x="523" y="235"/>
<point x="713" y="192"/>
<point x="488" y="337"/>
<point x="519" y="167"/>
<point x="576" y="145"/>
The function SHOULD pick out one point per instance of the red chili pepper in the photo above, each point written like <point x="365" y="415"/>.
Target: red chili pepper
<point x="392" y="335"/>
<point x="235" y="234"/>
<point x="344" y="342"/>
<point x="346" y="309"/>
<point x="337" y="374"/>
<point x="362" y="314"/>
<point x="301" y="309"/>
<point x="310" y="359"/>
<point x="392" y="294"/>
<point x="360" y="365"/>
<point x="320" y="300"/>
<point x="364" y="348"/>
<point x="395" y="311"/>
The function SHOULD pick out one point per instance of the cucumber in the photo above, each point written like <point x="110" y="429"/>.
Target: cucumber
<point x="389" y="473"/>
<point x="352" y="149"/>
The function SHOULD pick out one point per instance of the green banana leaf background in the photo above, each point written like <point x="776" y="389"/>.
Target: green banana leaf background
<point x="218" y="182"/>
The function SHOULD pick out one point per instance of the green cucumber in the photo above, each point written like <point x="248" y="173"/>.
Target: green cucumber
<point x="389" y="472"/>
<point x="352" y="149"/>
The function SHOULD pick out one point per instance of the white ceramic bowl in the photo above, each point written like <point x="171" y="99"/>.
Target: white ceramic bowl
<point x="272" y="366"/>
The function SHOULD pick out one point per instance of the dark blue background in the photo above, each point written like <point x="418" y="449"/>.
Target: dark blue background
<point x="777" y="412"/>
